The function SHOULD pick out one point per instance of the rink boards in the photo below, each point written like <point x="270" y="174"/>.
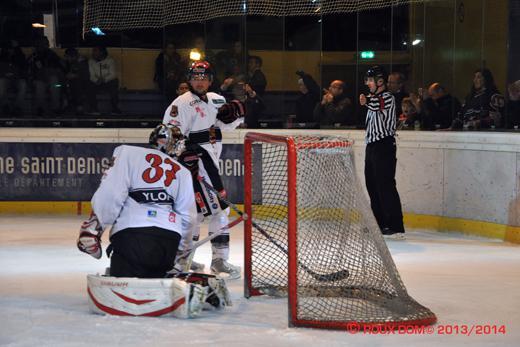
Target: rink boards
<point x="461" y="181"/>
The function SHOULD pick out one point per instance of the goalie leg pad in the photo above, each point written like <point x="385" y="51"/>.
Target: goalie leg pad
<point x="217" y="291"/>
<point x="145" y="297"/>
<point x="217" y="288"/>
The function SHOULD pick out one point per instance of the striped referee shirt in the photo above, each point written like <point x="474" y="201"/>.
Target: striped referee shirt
<point x="381" y="119"/>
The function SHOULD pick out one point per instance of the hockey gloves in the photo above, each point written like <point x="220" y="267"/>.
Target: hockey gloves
<point x="89" y="240"/>
<point x="190" y="160"/>
<point x="230" y="112"/>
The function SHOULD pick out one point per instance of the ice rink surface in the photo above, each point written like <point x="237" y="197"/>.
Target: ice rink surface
<point x="43" y="300"/>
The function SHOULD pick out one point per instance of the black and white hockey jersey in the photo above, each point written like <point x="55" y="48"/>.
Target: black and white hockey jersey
<point x="381" y="120"/>
<point x="145" y="187"/>
<point x="197" y="120"/>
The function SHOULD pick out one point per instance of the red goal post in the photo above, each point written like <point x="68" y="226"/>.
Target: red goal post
<point x="319" y="253"/>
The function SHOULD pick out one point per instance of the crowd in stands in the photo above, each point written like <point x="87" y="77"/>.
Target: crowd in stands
<point x="484" y="107"/>
<point x="69" y="86"/>
<point x="59" y="86"/>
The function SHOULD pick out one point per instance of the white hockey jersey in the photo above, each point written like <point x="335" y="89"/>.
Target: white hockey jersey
<point x="197" y="120"/>
<point x="143" y="188"/>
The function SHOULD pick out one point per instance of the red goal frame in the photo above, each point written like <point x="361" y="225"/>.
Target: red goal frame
<point x="292" y="148"/>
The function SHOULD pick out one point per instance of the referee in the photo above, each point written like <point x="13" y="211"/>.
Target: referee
<point x="380" y="156"/>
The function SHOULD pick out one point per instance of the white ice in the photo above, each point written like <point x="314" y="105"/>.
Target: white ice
<point x="43" y="301"/>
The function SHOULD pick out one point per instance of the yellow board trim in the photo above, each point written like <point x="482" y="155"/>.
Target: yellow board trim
<point x="43" y="207"/>
<point x="417" y="221"/>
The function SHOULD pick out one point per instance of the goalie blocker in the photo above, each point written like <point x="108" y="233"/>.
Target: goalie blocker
<point x="182" y="297"/>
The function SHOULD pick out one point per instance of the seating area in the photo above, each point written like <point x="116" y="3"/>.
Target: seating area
<point x="144" y="109"/>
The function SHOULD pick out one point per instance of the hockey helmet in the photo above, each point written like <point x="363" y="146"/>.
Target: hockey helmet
<point x="377" y="72"/>
<point x="164" y="138"/>
<point x="200" y="68"/>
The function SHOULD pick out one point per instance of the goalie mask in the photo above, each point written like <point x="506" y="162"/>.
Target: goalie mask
<point x="200" y="70"/>
<point x="165" y="138"/>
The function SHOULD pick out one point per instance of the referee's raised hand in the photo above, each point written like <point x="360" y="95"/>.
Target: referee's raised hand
<point x="362" y="99"/>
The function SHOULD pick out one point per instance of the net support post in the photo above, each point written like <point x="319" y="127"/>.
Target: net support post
<point x="291" y="232"/>
<point x="248" y="163"/>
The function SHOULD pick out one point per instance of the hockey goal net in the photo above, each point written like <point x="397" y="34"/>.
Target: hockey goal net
<point x="311" y="236"/>
<point x="132" y="14"/>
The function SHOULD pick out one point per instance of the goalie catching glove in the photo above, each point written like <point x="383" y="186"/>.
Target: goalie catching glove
<point x="230" y="112"/>
<point x="89" y="240"/>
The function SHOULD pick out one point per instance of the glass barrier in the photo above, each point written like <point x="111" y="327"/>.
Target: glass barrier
<point x="451" y="65"/>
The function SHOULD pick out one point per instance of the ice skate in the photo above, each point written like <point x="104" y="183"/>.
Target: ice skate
<point x="196" y="267"/>
<point x="221" y="266"/>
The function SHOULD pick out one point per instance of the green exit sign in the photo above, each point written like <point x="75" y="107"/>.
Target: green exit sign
<point x="368" y="55"/>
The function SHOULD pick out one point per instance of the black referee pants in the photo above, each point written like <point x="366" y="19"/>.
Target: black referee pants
<point x="147" y="252"/>
<point x="380" y="164"/>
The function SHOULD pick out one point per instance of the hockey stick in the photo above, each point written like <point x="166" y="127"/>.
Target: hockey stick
<point x="338" y="275"/>
<point x="217" y="193"/>
<point x="211" y="237"/>
<point x="191" y="252"/>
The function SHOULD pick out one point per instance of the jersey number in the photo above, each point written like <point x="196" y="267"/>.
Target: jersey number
<point x="158" y="172"/>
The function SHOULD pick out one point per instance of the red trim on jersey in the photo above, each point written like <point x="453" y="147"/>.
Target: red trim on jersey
<point x="381" y="103"/>
<point x="115" y="312"/>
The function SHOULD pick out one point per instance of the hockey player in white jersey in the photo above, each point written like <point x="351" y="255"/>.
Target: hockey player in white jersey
<point x="201" y="115"/>
<point x="148" y="199"/>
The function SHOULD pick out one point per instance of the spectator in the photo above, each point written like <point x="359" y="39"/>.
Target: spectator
<point x="483" y="106"/>
<point x="169" y="71"/>
<point x="46" y="72"/>
<point x="335" y="108"/>
<point x="309" y="97"/>
<point x="183" y="88"/>
<point x="76" y="77"/>
<point x="103" y="77"/>
<point x="236" y="88"/>
<point x="439" y="108"/>
<point x="255" y="76"/>
<point x="513" y="106"/>
<point x="233" y="87"/>
<point x="231" y="61"/>
<point x="396" y="87"/>
<point x="254" y="107"/>
<point x="411" y="117"/>
<point x="13" y="70"/>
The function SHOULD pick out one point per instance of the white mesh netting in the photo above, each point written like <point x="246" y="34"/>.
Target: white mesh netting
<point x="132" y="14"/>
<point x="336" y="234"/>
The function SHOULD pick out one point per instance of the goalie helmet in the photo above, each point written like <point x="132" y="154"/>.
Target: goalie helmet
<point x="376" y="72"/>
<point x="200" y="68"/>
<point x="165" y="138"/>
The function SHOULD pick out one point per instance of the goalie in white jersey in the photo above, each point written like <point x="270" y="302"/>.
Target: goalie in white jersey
<point x="201" y="115"/>
<point x="148" y="199"/>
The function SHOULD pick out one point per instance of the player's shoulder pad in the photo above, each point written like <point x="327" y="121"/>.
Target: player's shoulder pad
<point x="184" y="98"/>
<point x="122" y="153"/>
<point x="121" y="149"/>
<point x="215" y="99"/>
